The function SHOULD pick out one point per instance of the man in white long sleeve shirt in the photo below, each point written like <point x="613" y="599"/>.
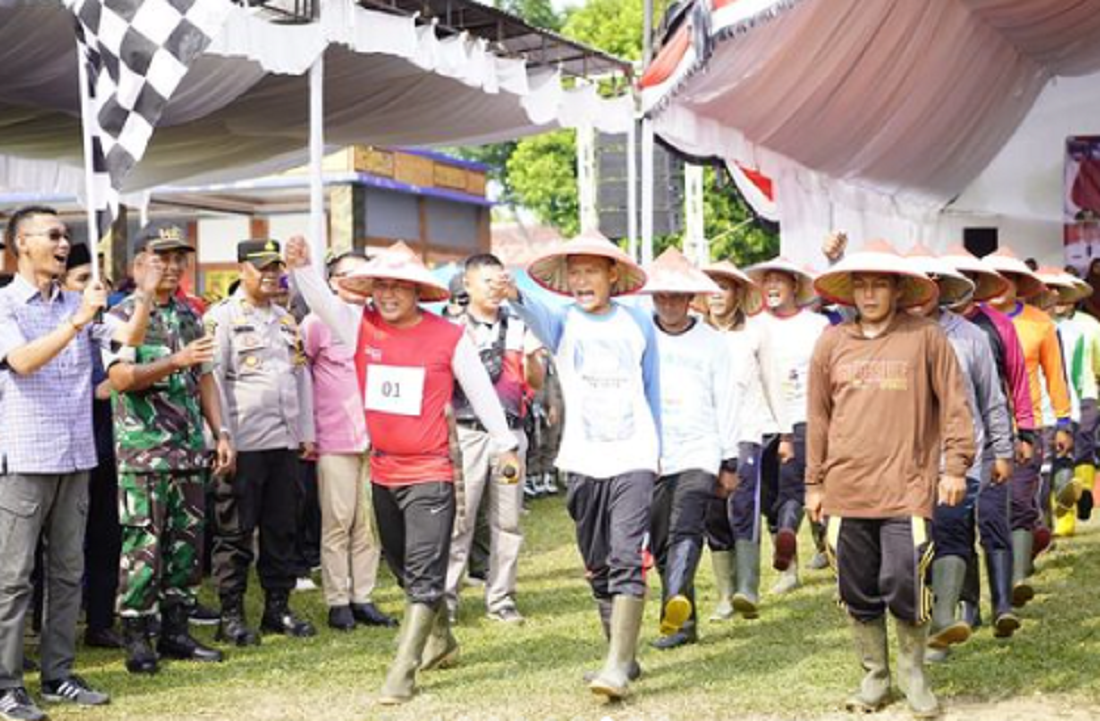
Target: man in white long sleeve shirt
<point x="733" y="523"/>
<point x="792" y="331"/>
<point x="698" y="440"/>
<point x="607" y="357"/>
<point x="407" y="361"/>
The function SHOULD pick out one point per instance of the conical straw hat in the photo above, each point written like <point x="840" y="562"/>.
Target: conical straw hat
<point x="990" y="283"/>
<point x="397" y="262"/>
<point x="753" y="301"/>
<point x="954" y="287"/>
<point x="671" y="272"/>
<point x="835" y="284"/>
<point x="1067" y="288"/>
<point x="1005" y="262"/>
<point x="804" y="278"/>
<point x="551" y="272"/>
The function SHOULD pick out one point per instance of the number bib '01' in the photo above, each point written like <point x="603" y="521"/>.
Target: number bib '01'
<point x="395" y="389"/>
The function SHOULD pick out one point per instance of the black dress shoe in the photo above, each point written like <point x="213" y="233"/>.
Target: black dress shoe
<point x="369" y="615"/>
<point x="103" y="638"/>
<point x="341" y="618"/>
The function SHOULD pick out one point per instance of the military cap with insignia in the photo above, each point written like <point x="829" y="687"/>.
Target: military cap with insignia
<point x="161" y="237"/>
<point x="260" y="253"/>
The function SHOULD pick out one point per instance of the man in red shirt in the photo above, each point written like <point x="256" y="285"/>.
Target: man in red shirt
<point x="407" y="361"/>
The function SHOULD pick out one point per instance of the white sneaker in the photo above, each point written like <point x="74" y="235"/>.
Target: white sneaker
<point x="549" y="485"/>
<point x="788" y="580"/>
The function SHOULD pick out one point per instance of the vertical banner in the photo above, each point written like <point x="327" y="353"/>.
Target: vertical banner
<point x="1081" y="214"/>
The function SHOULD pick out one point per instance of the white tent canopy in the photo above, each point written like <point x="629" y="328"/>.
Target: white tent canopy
<point x="877" y="117"/>
<point x="243" y="108"/>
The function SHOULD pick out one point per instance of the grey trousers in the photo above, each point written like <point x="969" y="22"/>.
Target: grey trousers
<point x="55" y="506"/>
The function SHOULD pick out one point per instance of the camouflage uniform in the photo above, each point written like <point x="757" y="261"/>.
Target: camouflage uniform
<point x="161" y="458"/>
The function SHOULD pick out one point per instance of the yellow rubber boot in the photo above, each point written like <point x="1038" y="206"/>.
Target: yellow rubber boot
<point x="1065" y="522"/>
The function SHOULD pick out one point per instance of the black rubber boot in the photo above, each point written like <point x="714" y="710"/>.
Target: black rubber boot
<point x="970" y="596"/>
<point x="786" y="539"/>
<point x="176" y="640"/>
<point x="999" y="568"/>
<point x="234" y="627"/>
<point x="686" y="635"/>
<point x="683" y="559"/>
<point x="278" y="618"/>
<point x="140" y="656"/>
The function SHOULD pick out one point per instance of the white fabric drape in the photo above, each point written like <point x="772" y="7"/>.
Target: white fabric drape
<point x="872" y="116"/>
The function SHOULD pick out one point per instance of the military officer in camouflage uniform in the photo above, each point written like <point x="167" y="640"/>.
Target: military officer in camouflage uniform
<point x="261" y="367"/>
<point x="163" y="391"/>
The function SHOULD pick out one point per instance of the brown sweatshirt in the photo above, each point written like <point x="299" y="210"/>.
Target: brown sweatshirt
<point x="881" y="411"/>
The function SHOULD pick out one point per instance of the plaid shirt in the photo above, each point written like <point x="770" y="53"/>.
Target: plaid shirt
<point x="48" y="414"/>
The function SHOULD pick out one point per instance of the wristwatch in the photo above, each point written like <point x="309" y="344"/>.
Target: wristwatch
<point x="223" y="432"/>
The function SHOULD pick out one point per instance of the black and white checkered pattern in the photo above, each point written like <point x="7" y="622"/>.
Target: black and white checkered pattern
<point x="137" y="52"/>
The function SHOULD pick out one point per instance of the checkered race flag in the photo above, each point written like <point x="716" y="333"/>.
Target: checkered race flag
<point x="136" y="52"/>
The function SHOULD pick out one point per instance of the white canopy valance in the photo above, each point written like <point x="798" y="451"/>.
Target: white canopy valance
<point x="242" y="109"/>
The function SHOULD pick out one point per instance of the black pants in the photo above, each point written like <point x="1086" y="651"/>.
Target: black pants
<point x="679" y="510"/>
<point x="737" y="518"/>
<point x="677" y="521"/>
<point x="262" y="494"/>
<point x="309" y="519"/>
<point x="953" y="527"/>
<point x="102" y="547"/>
<point x="612" y="521"/>
<point x="786" y="482"/>
<point x="882" y="564"/>
<point x="414" y="525"/>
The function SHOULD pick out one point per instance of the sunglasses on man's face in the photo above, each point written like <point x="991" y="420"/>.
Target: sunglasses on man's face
<point x="54" y="234"/>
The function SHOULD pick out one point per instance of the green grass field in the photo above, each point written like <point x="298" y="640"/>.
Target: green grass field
<point x="794" y="662"/>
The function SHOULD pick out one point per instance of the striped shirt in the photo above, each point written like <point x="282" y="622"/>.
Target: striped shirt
<point x="47" y="414"/>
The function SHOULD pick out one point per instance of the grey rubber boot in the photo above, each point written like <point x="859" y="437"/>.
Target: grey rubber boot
<point x="948" y="576"/>
<point x="441" y="650"/>
<point x="603" y="605"/>
<point x="400" y="683"/>
<point x="722" y="562"/>
<point x="746" y="600"/>
<point x="1022" y="544"/>
<point x="871" y="648"/>
<point x="613" y="680"/>
<point x="912" y="640"/>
